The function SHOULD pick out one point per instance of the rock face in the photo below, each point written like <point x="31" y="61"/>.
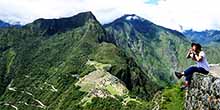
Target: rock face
<point x="204" y="93"/>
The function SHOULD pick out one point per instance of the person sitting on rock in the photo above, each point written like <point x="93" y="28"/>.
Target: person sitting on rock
<point x="197" y="55"/>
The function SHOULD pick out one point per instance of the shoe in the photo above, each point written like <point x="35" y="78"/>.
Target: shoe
<point x="178" y="75"/>
<point x="185" y="86"/>
<point x="182" y="88"/>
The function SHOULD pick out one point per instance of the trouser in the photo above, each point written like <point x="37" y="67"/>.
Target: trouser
<point x="188" y="73"/>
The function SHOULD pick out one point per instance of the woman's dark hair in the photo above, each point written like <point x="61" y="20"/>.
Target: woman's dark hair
<point x="198" y="46"/>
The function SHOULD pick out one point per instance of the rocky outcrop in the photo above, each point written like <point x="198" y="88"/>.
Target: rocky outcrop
<point x="204" y="92"/>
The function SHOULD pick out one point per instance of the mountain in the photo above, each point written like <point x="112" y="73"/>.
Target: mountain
<point x="77" y="63"/>
<point x="4" y="24"/>
<point x="45" y="64"/>
<point x="52" y="26"/>
<point x="206" y="37"/>
<point x="159" y="51"/>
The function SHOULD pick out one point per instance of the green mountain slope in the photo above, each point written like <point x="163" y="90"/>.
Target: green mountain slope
<point x="42" y="61"/>
<point x="76" y="63"/>
<point x="158" y="50"/>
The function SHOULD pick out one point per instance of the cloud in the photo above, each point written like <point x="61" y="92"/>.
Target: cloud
<point x="196" y="14"/>
<point x="174" y="14"/>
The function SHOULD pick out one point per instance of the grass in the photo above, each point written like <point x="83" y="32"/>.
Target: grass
<point x="173" y="98"/>
<point x="112" y="90"/>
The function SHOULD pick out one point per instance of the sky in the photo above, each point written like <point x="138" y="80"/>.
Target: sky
<point x="175" y="14"/>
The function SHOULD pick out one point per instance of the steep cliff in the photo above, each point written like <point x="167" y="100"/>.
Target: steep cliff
<point x="204" y="93"/>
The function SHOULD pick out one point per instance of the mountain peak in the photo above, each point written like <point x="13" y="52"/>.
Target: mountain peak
<point x="52" y="26"/>
<point x="85" y="15"/>
<point x="132" y="17"/>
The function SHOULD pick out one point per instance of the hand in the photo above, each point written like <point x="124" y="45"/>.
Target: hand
<point x="192" y="55"/>
<point x="190" y="50"/>
<point x="193" y="52"/>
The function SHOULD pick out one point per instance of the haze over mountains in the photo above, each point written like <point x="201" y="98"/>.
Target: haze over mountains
<point x="51" y="63"/>
<point x="207" y="37"/>
<point x="5" y="24"/>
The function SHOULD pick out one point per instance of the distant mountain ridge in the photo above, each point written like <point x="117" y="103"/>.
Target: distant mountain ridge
<point x="5" y="24"/>
<point x="204" y="37"/>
